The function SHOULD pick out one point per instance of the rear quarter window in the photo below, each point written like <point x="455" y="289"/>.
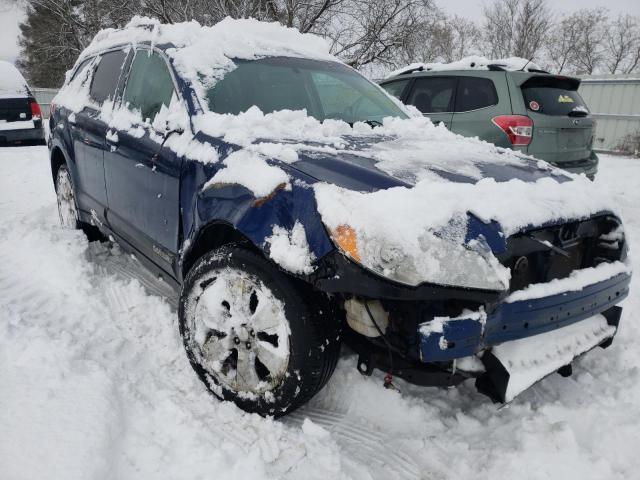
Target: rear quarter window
<point x="105" y="78"/>
<point x="475" y="93"/>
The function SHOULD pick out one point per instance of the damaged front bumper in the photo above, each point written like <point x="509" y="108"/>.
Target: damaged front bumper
<point x="513" y="322"/>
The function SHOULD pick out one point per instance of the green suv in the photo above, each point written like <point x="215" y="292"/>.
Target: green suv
<point x="531" y="111"/>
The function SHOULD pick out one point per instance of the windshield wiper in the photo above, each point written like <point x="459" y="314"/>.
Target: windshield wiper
<point x="372" y="123"/>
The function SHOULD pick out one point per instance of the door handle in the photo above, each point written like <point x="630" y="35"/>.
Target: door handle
<point x="112" y="140"/>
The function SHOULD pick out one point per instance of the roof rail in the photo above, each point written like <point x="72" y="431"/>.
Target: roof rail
<point x="495" y="67"/>
<point x="411" y="70"/>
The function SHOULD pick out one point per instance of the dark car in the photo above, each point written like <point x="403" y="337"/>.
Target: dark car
<point x="20" y="115"/>
<point x="290" y="202"/>
<point x="531" y="111"/>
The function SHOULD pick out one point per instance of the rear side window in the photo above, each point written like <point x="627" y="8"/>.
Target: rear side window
<point x="149" y="86"/>
<point x="475" y="93"/>
<point x="433" y="95"/>
<point x="105" y="79"/>
<point x="396" y="88"/>
<point x="550" y="100"/>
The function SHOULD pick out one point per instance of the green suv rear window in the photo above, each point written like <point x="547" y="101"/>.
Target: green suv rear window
<point x="551" y="100"/>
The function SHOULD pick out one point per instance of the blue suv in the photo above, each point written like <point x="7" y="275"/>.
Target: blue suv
<point x="283" y="228"/>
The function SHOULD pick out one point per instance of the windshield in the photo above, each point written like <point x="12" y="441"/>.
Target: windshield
<point x="324" y="89"/>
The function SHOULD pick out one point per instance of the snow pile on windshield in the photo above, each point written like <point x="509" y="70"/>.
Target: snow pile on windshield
<point x="11" y="81"/>
<point x="473" y="62"/>
<point x="410" y="149"/>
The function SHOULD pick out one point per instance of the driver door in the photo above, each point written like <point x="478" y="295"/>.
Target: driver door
<point x="142" y="176"/>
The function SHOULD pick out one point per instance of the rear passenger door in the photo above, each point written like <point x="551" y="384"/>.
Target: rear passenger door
<point x="88" y="131"/>
<point x="142" y="175"/>
<point x="478" y="100"/>
<point x="434" y="97"/>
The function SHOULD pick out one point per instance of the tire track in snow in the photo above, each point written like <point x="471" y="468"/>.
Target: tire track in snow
<point x="367" y="446"/>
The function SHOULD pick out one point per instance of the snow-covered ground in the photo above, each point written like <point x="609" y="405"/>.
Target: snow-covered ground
<point x="94" y="383"/>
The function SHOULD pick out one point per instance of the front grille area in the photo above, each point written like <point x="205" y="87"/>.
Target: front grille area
<point x="541" y="255"/>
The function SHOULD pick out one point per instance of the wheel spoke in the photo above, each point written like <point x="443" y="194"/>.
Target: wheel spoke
<point x="264" y="319"/>
<point x="246" y="376"/>
<point x="216" y="349"/>
<point x="270" y="359"/>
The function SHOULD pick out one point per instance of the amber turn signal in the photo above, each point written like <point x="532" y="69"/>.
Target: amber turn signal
<point x="345" y="238"/>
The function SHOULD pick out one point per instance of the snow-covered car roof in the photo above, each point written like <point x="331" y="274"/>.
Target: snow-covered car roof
<point x="511" y="64"/>
<point x="204" y="53"/>
<point x="12" y="82"/>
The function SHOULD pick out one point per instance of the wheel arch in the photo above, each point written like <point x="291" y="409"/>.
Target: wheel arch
<point x="57" y="159"/>
<point x="213" y="235"/>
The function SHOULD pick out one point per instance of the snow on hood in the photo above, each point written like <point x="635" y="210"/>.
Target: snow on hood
<point x="473" y="62"/>
<point x="11" y="80"/>
<point x="441" y="178"/>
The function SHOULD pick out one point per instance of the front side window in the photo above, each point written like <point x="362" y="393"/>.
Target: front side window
<point x="433" y="95"/>
<point x="149" y="85"/>
<point x="326" y="90"/>
<point x="474" y="93"/>
<point x="106" y="76"/>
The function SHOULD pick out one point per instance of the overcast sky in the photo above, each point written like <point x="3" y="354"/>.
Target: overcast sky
<point x="10" y="16"/>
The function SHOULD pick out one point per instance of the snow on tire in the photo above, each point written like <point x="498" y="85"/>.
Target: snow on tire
<point x="252" y="335"/>
<point x="66" y="199"/>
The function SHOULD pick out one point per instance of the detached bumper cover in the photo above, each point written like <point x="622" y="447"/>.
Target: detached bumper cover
<point x="514" y="366"/>
<point x="512" y="320"/>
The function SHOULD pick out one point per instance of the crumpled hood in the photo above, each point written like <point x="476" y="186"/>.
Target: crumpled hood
<point x="422" y="203"/>
<point x="359" y="165"/>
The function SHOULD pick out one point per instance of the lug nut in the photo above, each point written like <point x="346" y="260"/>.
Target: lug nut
<point x="252" y="333"/>
<point x="236" y="341"/>
<point x="248" y="344"/>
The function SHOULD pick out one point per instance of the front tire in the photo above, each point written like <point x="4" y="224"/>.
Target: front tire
<point x="253" y="335"/>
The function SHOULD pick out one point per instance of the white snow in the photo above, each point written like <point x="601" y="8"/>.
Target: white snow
<point x="249" y="169"/>
<point x="529" y="359"/>
<point x="12" y="83"/>
<point x="95" y="384"/>
<point x="573" y="283"/>
<point x="473" y="62"/>
<point x="290" y="249"/>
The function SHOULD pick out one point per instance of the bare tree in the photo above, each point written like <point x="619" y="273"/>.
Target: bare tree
<point x="622" y="44"/>
<point x="562" y="44"/>
<point x="516" y="27"/>
<point x="362" y="33"/>
<point x="463" y="38"/>
<point x="590" y="52"/>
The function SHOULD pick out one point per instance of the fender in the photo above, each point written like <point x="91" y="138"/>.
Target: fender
<point x="252" y="218"/>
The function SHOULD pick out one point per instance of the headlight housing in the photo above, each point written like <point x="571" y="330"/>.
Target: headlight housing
<point x="431" y="259"/>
